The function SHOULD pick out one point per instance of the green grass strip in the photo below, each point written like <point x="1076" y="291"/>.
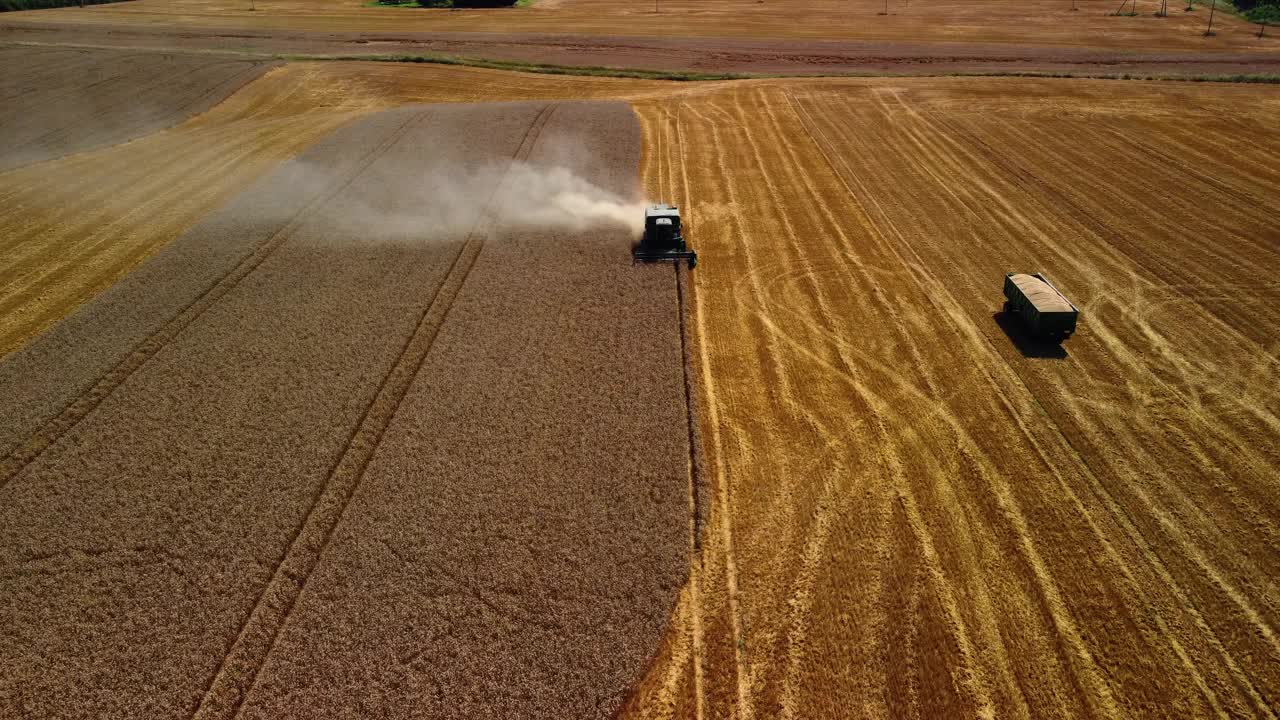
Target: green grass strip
<point x="531" y="67"/>
<point x="687" y="76"/>
<point x="19" y="5"/>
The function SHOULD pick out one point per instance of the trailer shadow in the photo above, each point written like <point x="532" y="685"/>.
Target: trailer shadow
<point x="1027" y="343"/>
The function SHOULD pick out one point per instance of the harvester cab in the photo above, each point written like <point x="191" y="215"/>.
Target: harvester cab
<point x="662" y="239"/>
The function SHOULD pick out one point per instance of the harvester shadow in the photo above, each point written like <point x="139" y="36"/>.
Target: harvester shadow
<point x="1027" y="343"/>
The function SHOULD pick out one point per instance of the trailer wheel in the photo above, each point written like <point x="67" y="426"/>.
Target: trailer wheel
<point x="1007" y="309"/>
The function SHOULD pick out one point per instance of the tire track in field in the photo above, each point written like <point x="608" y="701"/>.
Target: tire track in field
<point x="695" y="384"/>
<point x="745" y="238"/>
<point x="999" y="159"/>
<point x="721" y="521"/>
<point x="792" y="173"/>
<point x="706" y="390"/>
<point x="1191" y="550"/>
<point x="819" y="529"/>
<point x="1193" y="402"/>
<point x="886" y="414"/>
<point x="1210" y="696"/>
<point x="922" y="140"/>
<point x="1082" y="660"/>
<point x="237" y="675"/>
<point x="1193" y="408"/>
<point x="85" y="403"/>
<point x="1123" y="518"/>
<point x="743" y="688"/>
<point x="692" y="376"/>
<point x="1160" y="567"/>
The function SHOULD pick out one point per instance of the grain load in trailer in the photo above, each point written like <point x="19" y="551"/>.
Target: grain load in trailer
<point x="1047" y="312"/>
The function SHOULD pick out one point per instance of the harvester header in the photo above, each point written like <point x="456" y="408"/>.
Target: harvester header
<point x="663" y="239"/>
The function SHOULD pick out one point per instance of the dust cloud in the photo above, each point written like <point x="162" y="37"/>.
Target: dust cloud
<point x="448" y="201"/>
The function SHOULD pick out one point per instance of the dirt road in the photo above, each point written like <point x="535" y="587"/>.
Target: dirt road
<point x="1035" y="22"/>
<point x="775" y="37"/>
<point x="916" y="511"/>
<point x="158" y="533"/>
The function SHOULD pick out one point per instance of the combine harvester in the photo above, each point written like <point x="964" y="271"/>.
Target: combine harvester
<point x="1047" y="312"/>
<point x="662" y="239"/>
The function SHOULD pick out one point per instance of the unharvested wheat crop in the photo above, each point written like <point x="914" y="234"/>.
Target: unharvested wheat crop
<point x="455" y="460"/>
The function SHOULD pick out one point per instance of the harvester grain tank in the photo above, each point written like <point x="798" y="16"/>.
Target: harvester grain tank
<point x="1045" y="310"/>
<point x="662" y="239"/>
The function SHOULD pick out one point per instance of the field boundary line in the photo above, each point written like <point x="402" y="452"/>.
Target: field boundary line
<point x="241" y="667"/>
<point x="697" y="448"/>
<point x="688" y="364"/>
<point x="686" y="619"/>
<point x="86" y="402"/>
<point x="723" y="494"/>
<point x="665" y="75"/>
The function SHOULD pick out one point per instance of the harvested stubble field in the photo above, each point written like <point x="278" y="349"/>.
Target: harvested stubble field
<point x="911" y="510"/>
<point x="917" y="511"/>
<point x="480" y="478"/>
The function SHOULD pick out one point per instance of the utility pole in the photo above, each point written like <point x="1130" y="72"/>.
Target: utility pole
<point x="1073" y="6"/>
<point x="1212" y="8"/>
